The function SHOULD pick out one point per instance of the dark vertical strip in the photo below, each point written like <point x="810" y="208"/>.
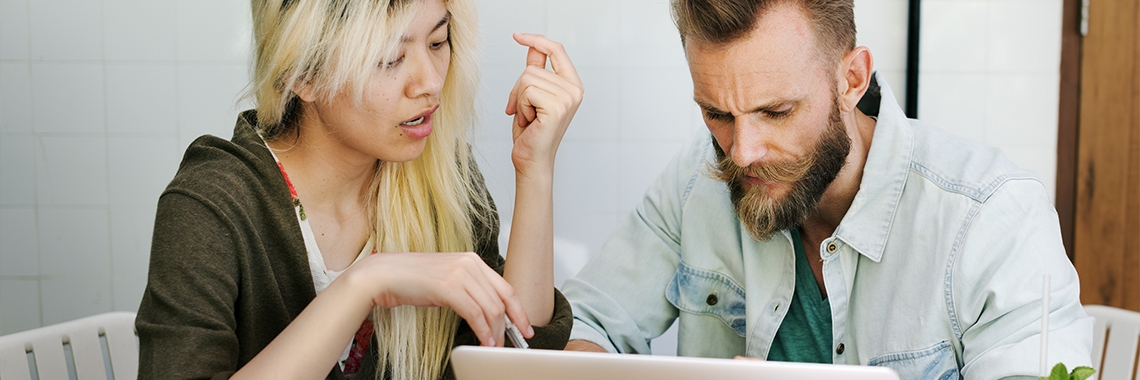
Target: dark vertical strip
<point x="913" y="26"/>
<point x="1068" y="115"/>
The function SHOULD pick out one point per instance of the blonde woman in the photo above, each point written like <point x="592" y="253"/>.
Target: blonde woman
<point x="344" y="230"/>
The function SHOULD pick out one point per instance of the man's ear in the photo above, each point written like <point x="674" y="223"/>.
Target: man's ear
<point x="854" y="77"/>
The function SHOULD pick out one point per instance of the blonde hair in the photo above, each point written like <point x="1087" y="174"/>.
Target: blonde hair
<point x="429" y="204"/>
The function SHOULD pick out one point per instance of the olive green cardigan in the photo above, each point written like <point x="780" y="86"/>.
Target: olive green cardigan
<point x="229" y="270"/>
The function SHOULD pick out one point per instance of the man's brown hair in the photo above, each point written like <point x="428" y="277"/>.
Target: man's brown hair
<point x="725" y="21"/>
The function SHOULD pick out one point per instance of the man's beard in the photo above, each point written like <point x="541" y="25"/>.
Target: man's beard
<point x="809" y="178"/>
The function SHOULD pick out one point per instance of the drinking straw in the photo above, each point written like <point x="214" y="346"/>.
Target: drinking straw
<point x="1045" y="326"/>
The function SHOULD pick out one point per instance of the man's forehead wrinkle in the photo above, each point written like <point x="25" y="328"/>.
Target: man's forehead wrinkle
<point x="739" y="92"/>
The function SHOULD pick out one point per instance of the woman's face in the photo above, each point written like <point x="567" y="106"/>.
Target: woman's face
<point x="396" y="116"/>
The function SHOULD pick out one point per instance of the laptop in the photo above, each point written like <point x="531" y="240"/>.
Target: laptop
<point x="486" y="363"/>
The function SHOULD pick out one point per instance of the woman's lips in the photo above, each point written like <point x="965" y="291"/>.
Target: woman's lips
<point x="419" y="127"/>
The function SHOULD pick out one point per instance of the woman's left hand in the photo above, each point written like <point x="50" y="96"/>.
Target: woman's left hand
<point x="542" y="103"/>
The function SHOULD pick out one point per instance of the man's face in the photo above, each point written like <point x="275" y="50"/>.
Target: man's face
<point x="772" y="107"/>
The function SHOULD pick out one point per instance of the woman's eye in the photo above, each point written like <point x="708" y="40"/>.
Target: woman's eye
<point x="439" y="45"/>
<point x="393" y="63"/>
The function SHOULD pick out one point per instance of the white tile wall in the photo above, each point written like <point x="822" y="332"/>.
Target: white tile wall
<point x="67" y="299"/>
<point x="14" y="29"/>
<point x="131" y="230"/>
<point x="142" y="98"/>
<point x="18" y="253"/>
<point x="139" y="30"/>
<point x="648" y="36"/>
<point x="74" y="242"/>
<point x="71" y="170"/>
<point x="208" y="99"/>
<point x="98" y="98"/>
<point x="15" y="94"/>
<point x="991" y="72"/>
<point x="213" y="30"/>
<point x="953" y="35"/>
<point x="66" y="29"/>
<point x="68" y="97"/>
<point x="140" y="167"/>
<point x="17" y="171"/>
<point x="19" y="305"/>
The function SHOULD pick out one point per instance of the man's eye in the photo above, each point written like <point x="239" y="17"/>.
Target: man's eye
<point x="717" y="116"/>
<point x="778" y="114"/>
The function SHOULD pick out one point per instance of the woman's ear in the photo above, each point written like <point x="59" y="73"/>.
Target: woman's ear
<point x="854" y="77"/>
<point x="305" y="92"/>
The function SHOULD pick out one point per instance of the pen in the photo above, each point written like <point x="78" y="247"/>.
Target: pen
<point x="515" y="335"/>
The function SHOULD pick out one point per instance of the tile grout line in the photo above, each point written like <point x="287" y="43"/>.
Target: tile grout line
<point x="35" y="171"/>
<point x="107" y="155"/>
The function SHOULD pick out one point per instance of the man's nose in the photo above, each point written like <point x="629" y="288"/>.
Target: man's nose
<point x="748" y="144"/>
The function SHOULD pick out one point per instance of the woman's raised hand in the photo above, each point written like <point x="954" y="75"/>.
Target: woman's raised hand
<point x="542" y="103"/>
<point x="461" y="281"/>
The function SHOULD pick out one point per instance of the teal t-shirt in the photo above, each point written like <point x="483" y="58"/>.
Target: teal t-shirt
<point x="805" y="334"/>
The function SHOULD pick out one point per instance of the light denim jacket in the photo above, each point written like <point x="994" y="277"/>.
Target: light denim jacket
<point x="935" y="271"/>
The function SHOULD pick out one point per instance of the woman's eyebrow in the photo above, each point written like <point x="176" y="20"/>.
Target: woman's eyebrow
<point x="446" y="19"/>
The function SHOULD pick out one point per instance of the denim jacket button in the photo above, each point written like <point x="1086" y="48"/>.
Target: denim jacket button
<point x="711" y="300"/>
<point x="832" y="247"/>
<point x="839" y="349"/>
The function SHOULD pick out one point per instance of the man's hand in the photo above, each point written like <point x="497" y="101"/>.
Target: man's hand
<point x="584" y="345"/>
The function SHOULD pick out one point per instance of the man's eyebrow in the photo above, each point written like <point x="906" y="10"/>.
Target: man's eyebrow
<point x="446" y="19"/>
<point x="770" y="106"/>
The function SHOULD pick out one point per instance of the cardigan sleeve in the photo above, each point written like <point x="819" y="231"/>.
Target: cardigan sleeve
<point x="186" y="321"/>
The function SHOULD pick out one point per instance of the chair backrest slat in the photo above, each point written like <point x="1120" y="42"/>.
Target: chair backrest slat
<point x="87" y="353"/>
<point x="1100" y="331"/>
<point x="14" y="363"/>
<point x="1115" y="340"/>
<point x="124" y="350"/>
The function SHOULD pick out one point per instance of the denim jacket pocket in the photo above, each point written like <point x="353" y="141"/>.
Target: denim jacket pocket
<point x="702" y="291"/>
<point x="935" y="362"/>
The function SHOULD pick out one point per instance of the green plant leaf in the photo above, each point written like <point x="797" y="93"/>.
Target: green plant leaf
<point x="1059" y="372"/>
<point x="1081" y="373"/>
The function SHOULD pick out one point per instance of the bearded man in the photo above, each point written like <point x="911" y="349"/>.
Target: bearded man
<point x="803" y="228"/>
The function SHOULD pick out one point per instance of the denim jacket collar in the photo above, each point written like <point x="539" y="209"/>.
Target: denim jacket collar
<point x="868" y="222"/>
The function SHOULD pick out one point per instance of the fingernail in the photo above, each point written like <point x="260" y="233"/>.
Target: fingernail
<point x="491" y="342"/>
<point x="531" y="329"/>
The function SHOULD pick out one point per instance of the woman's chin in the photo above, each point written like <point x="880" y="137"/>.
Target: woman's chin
<point x="403" y="153"/>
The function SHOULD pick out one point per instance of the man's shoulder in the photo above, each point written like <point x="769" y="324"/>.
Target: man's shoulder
<point x="962" y="166"/>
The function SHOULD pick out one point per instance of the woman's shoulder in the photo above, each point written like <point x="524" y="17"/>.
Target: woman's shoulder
<point x="214" y="168"/>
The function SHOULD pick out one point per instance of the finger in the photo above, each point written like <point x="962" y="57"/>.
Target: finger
<point x="480" y="288"/>
<point x="551" y="82"/>
<point x="535" y="58"/>
<point x="484" y="292"/>
<point x="535" y="99"/>
<point x="514" y="307"/>
<point x="469" y="310"/>
<point x="513" y="96"/>
<point x="554" y="51"/>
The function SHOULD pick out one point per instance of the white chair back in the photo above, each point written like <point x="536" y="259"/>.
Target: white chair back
<point x="1115" y="338"/>
<point x="94" y="341"/>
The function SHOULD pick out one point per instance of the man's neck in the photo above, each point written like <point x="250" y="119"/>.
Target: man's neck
<point x="840" y="194"/>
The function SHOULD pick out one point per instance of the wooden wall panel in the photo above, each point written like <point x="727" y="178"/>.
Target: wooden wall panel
<point x="1107" y="216"/>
